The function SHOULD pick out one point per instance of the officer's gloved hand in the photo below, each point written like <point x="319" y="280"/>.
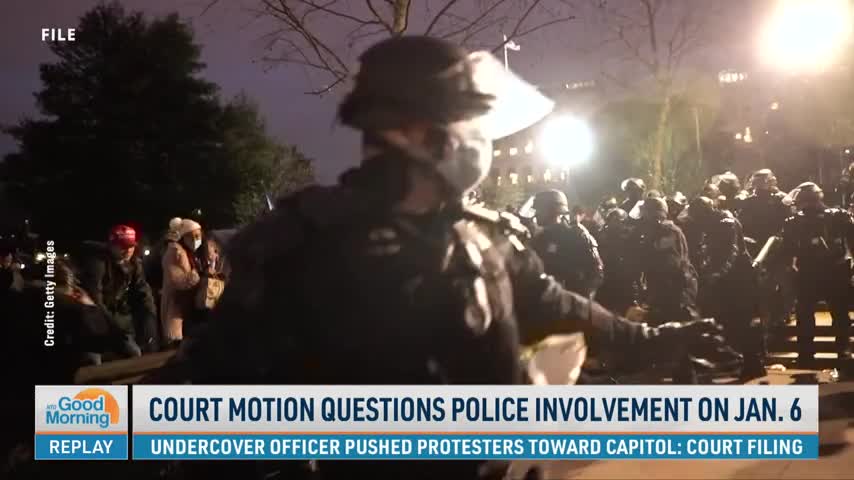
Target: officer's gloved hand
<point x="671" y="339"/>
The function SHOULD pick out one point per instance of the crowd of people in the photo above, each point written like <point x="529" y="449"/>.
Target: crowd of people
<point x="390" y="277"/>
<point x="106" y="303"/>
<point x="732" y="254"/>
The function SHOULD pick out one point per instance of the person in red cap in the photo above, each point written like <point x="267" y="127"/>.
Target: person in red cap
<point x="115" y="280"/>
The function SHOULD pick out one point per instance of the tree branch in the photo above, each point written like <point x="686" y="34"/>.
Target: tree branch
<point x="473" y="22"/>
<point x="323" y="8"/>
<point x="378" y="16"/>
<point x="521" y="20"/>
<point x="327" y="88"/>
<point x="439" y="15"/>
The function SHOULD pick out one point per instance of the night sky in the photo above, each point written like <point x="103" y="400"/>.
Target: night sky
<point x="229" y="38"/>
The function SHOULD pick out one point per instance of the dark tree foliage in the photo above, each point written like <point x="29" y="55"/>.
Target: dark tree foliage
<point x="131" y="133"/>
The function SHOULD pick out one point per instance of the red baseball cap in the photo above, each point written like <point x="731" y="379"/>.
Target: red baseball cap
<point x="123" y="236"/>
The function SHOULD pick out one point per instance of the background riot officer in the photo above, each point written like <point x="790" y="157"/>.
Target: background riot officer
<point x="387" y="278"/>
<point x="634" y="189"/>
<point x="727" y="283"/>
<point x="764" y="210"/>
<point x="619" y="288"/>
<point x="660" y="253"/>
<point x="676" y="203"/>
<point x="730" y="189"/>
<point x="820" y="240"/>
<point x="568" y="251"/>
<point x="762" y="216"/>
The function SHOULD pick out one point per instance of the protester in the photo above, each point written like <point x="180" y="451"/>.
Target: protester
<point x="115" y="279"/>
<point x="181" y="276"/>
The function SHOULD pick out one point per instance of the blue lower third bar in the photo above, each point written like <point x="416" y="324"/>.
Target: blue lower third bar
<point x="475" y="446"/>
<point x="77" y="446"/>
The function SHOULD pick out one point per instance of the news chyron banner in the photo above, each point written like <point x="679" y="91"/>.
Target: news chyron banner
<point x="81" y="422"/>
<point x="475" y="422"/>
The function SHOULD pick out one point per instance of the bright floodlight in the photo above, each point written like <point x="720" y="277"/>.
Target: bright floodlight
<point x="566" y="141"/>
<point x="806" y="35"/>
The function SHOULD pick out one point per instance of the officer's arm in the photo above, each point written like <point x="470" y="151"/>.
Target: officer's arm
<point x="244" y="332"/>
<point x="593" y="268"/>
<point x="544" y="308"/>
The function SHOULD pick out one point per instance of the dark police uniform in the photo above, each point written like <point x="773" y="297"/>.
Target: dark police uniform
<point x="571" y="255"/>
<point x="728" y="287"/>
<point x="619" y="288"/>
<point x="821" y="240"/>
<point x="333" y="289"/>
<point x="336" y="287"/>
<point x="661" y="254"/>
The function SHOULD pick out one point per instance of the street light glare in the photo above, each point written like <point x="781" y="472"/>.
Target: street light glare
<point x="566" y="141"/>
<point x="806" y="35"/>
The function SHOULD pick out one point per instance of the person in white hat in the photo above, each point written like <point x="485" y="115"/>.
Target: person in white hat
<point x="180" y="278"/>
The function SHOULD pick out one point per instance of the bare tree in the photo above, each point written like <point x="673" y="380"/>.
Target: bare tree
<point x="655" y="37"/>
<point x="322" y="35"/>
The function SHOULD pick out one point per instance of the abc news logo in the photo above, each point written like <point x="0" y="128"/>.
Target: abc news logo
<point x="58" y="34"/>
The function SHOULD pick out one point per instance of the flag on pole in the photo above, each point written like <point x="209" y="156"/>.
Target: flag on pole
<point x="511" y="45"/>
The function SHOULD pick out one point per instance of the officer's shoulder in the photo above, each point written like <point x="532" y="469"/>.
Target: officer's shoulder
<point x="503" y="222"/>
<point x="840" y="213"/>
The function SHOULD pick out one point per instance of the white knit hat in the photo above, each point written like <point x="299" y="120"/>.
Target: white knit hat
<point x="188" y="226"/>
<point x="175" y="224"/>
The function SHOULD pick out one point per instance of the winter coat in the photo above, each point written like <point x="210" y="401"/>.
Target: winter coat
<point x="180" y="279"/>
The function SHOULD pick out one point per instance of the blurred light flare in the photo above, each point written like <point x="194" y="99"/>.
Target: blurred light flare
<point x="806" y="35"/>
<point x="566" y="141"/>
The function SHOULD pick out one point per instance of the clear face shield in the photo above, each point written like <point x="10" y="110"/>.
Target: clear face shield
<point x="515" y="105"/>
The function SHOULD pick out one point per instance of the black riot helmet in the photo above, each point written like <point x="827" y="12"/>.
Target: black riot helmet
<point x="412" y="78"/>
<point x="702" y="208"/>
<point x="551" y="202"/>
<point x="608" y="204"/>
<point x="808" y="195"/>
<point x="710" y="190"/>
<point x="615" y="216"/>
<point x="728" y="184"/>
<point x="633" y="187"/>
<point x="763" y="181"/>
<point x="654" y="208"/>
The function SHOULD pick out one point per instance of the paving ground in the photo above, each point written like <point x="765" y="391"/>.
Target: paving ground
<point x="836" y="406"/>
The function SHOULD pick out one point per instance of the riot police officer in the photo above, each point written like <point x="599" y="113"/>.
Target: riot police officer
<point x="730" y="189"/>
<point x="619" y="288"/>
<point x="568" y="251"/>
<point x="764" y="210"/>
<point x="726" y="282"/>
<point x="676" y="203"/>
<point x="661" y="255"/>
<point x="386" y="278"/>
<point x="634" y="189"/>
<point x="762" y="216"/>
<point x="820" y="239"/>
